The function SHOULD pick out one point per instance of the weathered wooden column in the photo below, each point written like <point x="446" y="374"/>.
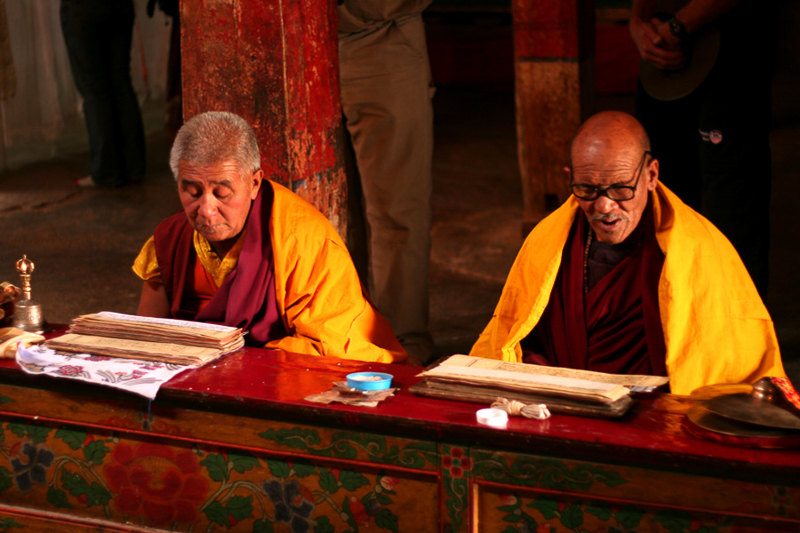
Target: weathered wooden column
<point x="554" y="68"/>
<point x="276" y="64"/>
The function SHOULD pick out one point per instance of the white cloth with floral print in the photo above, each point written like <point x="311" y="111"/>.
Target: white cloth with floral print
<point x="140" y="377"/>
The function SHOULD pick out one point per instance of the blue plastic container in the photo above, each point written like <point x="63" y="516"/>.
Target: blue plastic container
<point x="369" y="380"/>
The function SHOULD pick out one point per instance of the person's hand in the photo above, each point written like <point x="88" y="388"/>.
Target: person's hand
<point x="671" y="44"/>
<point x="656" y="44"/>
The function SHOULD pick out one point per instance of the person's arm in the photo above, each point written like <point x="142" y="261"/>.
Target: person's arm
<point x="697" y="14"/>
<point x="324" y="307"/>
<point x="656" y="43"/>
<point x="153" y="301"/>
<point x="647" y="33"/>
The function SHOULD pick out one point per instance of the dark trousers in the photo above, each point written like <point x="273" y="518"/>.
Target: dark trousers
<point x="713" y="148"/>
<point x="98" y="37"/>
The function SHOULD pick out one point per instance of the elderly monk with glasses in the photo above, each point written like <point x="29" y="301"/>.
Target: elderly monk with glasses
<point x="247" y="252"/>
<point x="625" y="278"/>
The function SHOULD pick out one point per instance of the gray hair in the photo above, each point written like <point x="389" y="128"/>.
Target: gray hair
<point x="214" y="137"/>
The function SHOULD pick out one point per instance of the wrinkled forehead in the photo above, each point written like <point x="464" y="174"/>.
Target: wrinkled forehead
<point x="227" y="170"/>
<point x="605" y="158"/>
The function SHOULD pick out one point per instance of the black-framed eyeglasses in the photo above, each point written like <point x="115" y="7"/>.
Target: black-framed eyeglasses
<point x="618" y="193"/>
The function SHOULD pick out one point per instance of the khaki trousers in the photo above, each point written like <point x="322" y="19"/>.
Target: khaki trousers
<point x="386" y="100"/>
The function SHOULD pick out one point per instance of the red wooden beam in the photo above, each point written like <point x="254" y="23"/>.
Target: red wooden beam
<point x="554" y="73"/>
<point x="276" y="64"/>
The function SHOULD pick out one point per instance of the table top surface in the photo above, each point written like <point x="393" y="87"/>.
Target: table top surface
<point x="273" y="384"/>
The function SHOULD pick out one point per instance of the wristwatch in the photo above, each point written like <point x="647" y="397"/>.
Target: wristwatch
<point x="677" y="28"/>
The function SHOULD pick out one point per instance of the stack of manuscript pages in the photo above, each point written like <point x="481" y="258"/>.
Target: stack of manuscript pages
<point x="581" y="392"/>
<point x="151" y="339"/>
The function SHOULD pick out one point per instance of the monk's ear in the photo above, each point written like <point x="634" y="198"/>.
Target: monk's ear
<point x="652" y="174"/>
<point x="568" y="173"/>
<point x="258" y="178"/>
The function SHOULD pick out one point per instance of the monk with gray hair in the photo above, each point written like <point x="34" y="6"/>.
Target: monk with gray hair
<point x="247" y="252"/>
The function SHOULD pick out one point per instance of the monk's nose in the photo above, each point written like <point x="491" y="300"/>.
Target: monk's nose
<point x="208" y="206"/>
<point x="604" y="205"/>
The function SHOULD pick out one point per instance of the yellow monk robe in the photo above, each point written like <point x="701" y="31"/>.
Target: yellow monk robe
<point x="716" y="328"/>
<point x="210" y="269"/>
<point x="318" y="293"/>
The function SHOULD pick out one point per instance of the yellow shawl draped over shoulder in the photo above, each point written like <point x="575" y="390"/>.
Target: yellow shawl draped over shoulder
<point x="716" y="328"/>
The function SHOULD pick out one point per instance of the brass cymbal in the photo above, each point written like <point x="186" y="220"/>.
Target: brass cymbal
<point x="761" y="404"/>
<point x="720" y="389"/>
<point x="706" y="419"/>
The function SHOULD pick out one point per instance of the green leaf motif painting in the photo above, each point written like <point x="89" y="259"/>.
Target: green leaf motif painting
<point x="95" y="452"/>
<point x="279" y="468"/>
<point x="387" y="520"/>
<point x="352" y="480"/>
<point x="304" y="469"/>
<point x="73" y="483"/>
<point x="73" y="439"/>
<point x="36" y="434"/>
<point x="629" y="517"/>
<point x="97" y="495"/>
<point x="324" y="525"/>
<point x="240" y="507"/>
<point x="546" y="506"/>
<point x="297" y="438"/>
<point x="217" y="514"/>
<point x="674" y="521"/>
<point x="217" y="467"/>
<point x="263" y="526"/>
<point x="6" y="523"/>
<point x="327" y="481"/>
<point x="242" y="463"/>
<point x="5" y="479"/>
<point x="58" y="498"/>
<point x="572" y="516"/>
<point x="542" y="472"/>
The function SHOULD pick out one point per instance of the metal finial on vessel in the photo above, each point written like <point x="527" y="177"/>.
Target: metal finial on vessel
<point x="28" y="314"/>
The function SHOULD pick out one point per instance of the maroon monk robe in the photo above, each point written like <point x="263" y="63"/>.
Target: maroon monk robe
<point x="246" y="298"/>
<point x="616" y="326"/>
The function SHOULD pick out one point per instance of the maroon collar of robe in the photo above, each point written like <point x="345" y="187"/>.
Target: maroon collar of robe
<point x="616" y="327"/>
<point x="246" y="298"/>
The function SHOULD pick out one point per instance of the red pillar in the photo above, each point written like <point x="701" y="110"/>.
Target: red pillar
<point x="276" y="64"/>
<point x="554" y="73"/>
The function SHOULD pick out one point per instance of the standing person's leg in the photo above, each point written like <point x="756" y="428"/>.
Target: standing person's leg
<point x="386" y="97"/>
<point x="84" y="24"/>
<point x="672" y="128"/>
<point x="735" y="152"/>
<point x="129" y="129"/>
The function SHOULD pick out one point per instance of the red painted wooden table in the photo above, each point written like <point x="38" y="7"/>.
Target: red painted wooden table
<point x="234" y="447"/>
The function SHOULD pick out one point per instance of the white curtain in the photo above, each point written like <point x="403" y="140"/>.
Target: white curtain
<point x="43" y="118"/>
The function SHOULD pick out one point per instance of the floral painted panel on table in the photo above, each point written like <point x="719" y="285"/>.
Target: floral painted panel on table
<point x="635" y="484"/>
<point x="456" y="467"/>
<point x="144" y="483"/>
<point x="352" y="445"/>
<point x="512" y="512"/>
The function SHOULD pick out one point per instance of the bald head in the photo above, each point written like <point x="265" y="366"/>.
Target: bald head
<point x="611" y="151"/>
<point x="609" y="132"/>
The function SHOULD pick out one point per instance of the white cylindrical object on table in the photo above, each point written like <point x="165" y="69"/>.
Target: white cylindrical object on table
<point x="496" y="418"/>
